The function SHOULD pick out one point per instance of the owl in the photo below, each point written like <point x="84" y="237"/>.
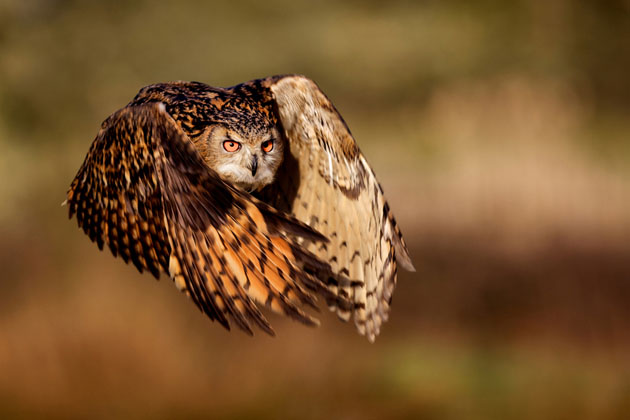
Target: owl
<point x="251" y="196"/>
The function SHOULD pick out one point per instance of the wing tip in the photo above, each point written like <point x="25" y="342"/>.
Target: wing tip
<point x="402" y="254"/>
<point x="405" y="262"/>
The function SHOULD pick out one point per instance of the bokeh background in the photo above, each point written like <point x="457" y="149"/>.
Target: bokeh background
<point x="499" y="130"/>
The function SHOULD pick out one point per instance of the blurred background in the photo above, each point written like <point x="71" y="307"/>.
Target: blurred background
<point x="500" y="132"/>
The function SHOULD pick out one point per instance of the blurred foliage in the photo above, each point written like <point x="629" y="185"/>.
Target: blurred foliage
<point x="500" y="133"/>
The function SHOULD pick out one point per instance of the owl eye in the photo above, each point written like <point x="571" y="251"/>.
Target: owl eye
<point x="231" y="145"/>
<point x="267" y="146"/>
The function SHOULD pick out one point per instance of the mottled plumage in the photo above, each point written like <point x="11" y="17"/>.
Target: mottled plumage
<point x="252" y="194"/>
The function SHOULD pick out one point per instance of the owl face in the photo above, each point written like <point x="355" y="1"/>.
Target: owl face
<point x="247" y="158"/>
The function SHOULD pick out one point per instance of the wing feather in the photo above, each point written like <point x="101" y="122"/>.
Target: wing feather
<point x="327" y="183"/>
<point x="145" y="192"/>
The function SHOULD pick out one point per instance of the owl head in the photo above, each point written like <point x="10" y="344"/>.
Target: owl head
<point x="244" y="147"/>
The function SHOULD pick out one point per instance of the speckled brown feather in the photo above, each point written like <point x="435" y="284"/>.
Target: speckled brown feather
<point x="327" y="183"/>
<point x="146" y="192"/>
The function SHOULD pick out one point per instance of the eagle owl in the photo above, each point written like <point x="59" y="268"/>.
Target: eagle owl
<point x="251" y="195"/>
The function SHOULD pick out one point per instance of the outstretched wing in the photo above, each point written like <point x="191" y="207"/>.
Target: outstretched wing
<point x="327" y="183"/>
<point x="145" y="191"/>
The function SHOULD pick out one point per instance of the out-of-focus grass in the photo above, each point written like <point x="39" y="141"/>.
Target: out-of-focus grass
<point x="499" y="135"/>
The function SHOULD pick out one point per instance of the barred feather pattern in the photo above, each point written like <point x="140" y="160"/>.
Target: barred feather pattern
<point x="149" y="190"/>
<point x="145" y="192"/>
<point x="328" y="184"/>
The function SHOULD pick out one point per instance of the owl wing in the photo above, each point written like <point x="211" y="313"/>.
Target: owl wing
<point x="326" y="182"/>
<point x="145" y="192"/>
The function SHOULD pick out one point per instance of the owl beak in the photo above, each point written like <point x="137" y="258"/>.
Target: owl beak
<point x="254" y="165"/>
